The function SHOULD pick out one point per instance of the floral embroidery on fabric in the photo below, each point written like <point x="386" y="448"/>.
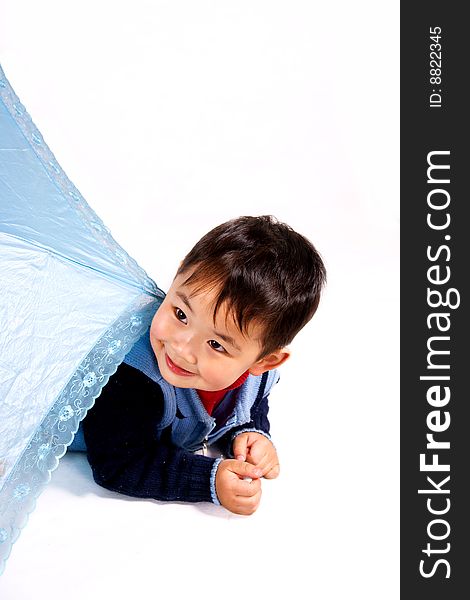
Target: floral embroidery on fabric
<point x="21" y="490"/>
<point x="114" y="346"/>
<point x="32" y="472"/>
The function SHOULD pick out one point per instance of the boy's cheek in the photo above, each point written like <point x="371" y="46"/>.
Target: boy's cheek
<point x="157" y="334"/>
<point x="159" y="326"/>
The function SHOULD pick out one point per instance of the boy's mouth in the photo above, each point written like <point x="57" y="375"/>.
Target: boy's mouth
<point x="175" y="368"/>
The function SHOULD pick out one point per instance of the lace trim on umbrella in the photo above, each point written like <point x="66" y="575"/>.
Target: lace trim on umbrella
<point x="33" y="469"/>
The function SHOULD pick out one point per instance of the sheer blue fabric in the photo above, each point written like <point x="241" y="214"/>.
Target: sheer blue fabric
<point x="72" y="304"/>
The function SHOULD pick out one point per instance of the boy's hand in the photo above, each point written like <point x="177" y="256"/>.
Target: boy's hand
<point x="256" y="449"/>
<point x="234" y="491"/>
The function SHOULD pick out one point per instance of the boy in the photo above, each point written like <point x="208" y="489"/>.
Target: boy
<point x="203" y="372"/>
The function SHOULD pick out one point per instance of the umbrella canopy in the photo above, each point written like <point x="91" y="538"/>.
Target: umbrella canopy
<point x="72" y="304"/>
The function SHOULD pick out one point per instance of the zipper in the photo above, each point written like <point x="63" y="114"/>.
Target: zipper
<point x="205" y="441"/>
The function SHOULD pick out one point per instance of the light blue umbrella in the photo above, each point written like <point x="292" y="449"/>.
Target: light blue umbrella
<point x="72" y="304"/>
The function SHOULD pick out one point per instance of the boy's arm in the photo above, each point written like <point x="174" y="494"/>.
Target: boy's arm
<point x="120" y="434"/>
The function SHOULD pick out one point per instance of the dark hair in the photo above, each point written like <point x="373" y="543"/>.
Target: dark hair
<point x="266" y="272"/>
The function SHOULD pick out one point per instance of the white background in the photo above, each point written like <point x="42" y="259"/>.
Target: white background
<point x="170" y="118"/>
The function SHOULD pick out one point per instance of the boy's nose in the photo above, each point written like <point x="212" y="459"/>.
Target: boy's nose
<point x="183" y="348"/>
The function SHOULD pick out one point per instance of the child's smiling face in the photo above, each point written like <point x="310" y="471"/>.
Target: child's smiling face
<point x="194" y="352"/>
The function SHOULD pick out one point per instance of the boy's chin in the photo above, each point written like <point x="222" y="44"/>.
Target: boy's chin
<point x="176" y="381"/>
<point x="180" y="382"/>
<point x="183" y="382"/>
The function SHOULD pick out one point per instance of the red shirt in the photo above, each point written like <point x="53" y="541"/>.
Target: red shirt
<point x="211" y="399"/>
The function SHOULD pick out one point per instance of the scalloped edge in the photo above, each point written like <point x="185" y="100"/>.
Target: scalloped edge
<point x="33" y="470"/>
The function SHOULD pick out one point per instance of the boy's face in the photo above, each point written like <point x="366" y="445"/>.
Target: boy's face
<point x="192" y="351"/>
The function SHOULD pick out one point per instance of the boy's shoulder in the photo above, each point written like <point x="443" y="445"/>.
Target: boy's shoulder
<point x="262" y="383"/>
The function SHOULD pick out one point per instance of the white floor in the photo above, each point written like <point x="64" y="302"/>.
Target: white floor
<point x="170" y="120"/>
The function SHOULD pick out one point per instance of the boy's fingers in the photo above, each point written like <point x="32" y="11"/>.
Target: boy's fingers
<point x="244" y="469"/>
<point x="247" y="506"/>
<point x="247" y="489"/>
<point x="240" y="446"/>
<point x="273" y="472"/>
<point x="261" y="460"/>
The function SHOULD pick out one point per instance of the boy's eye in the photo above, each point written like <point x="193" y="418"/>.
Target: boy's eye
<point x="216" y="346"/>
<point x="180" y="314"/>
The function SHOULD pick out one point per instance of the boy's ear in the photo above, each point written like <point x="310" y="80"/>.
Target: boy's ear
<point x="269" y="362"/>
